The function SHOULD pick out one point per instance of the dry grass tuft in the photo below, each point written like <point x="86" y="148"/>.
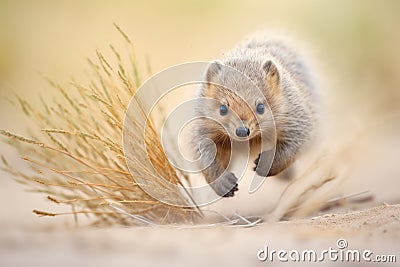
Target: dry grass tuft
<point x="76" y="155"/>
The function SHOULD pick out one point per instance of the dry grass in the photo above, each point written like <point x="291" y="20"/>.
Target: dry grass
<point x="76" y="155"/>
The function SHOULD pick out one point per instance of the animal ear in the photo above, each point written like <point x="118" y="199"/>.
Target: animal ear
<point x="213" y="70"/>
<point x="272" y="75"/>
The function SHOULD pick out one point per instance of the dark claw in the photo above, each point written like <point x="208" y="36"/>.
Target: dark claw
<point x="256" y="162"/>
<point x="226" y="185"/>
<point x="232" y="192"/>
<point x="262" y="164"/>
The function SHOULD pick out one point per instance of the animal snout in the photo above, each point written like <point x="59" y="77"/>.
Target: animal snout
<point x="242" y="131"/>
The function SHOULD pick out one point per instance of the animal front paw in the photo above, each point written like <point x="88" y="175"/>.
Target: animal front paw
<point x="226" y="185"/>
<point x="263" y="163"/>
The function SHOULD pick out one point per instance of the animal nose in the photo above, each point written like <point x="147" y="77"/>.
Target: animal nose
<point x="242" y="131"/>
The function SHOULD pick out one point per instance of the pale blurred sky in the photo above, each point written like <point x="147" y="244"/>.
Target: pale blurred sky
<point x="357" y="38"/>
<point x="353" y="43"/>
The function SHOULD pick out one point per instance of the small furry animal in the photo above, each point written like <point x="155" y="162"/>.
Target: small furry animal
<point x="240" y="110"/>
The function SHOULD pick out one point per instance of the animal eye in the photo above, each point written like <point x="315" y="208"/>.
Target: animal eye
<point x="260" y="108"/>
<point x="223" y="110"/>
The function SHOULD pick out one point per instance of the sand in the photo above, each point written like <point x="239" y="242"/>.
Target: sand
<point x="370" y="224"/>
<point x="376" y="229"/>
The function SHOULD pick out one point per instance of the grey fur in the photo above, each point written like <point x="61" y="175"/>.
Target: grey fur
<point x="285" y="82"/>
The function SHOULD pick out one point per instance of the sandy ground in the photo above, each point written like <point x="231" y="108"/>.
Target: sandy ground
<point x="26" y="240"/>
<point x="376" y="229"/>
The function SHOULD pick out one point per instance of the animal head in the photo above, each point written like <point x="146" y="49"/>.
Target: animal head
<point x="241" y="107"/>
